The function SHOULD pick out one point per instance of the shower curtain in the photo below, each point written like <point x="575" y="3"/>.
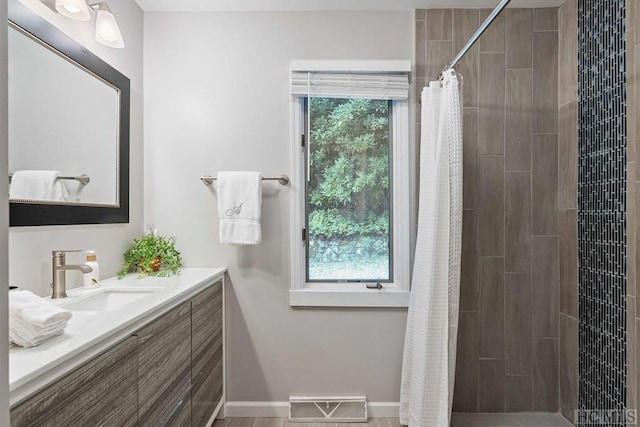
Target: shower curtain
<point x="428" y="368"/>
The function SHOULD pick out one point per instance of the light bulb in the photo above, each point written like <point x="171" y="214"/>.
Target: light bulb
<point x="74" y="9"/>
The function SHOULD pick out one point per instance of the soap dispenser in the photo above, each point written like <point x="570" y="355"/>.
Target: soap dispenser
<point x="91" y="278"/>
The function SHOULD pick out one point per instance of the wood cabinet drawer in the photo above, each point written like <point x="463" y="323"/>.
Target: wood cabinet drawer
<point x="163" y="324"/>
<point x="102" y="392"/>
<point x="207" y="390"/>
<point x="180" y="415"/>
<point x="207" y="353"/>
<point x="169" y="373"/>
<point x="206" y="312"/>
<point x="164" y="365"/>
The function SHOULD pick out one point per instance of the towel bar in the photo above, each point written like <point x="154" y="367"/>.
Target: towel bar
<point x="83" y="179"/>
<point x="282" y="179"/>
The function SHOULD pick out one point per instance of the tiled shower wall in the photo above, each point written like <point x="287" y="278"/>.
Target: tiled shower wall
<point x="508" y="345"/>
<point x="568" y="122"/>
<point x="633" y="201"/>
<point x="602" y="168"/>
<point x="568" y="203"/>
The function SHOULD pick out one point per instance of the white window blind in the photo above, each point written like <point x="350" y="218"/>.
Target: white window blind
<point x="384" y="80"/>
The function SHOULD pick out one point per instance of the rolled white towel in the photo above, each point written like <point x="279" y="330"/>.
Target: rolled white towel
<point x="36" y="311"/>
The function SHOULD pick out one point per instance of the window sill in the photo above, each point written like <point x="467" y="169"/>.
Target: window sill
<point x="348" y="298"/>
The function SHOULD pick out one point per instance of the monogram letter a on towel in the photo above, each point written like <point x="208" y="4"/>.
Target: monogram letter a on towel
<point x="239" y="207"/>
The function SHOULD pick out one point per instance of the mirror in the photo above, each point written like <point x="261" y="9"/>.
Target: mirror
<point x="51" y="127"/>
<point x="68" y="129"/>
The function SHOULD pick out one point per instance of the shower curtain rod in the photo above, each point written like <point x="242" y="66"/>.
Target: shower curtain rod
<point x="474" y="38"/>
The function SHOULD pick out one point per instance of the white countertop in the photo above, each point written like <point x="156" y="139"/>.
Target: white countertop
<point x="90" y="333"/>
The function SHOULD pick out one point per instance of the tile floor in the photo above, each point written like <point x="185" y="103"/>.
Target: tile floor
<point x="281" y="422"/>
<point x="531" y="419"/>
<point x="523" y="419"/>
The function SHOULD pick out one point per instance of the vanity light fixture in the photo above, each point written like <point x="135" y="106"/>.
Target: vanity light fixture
<point x="107" y="30"/>
<point x="74" y="9"/>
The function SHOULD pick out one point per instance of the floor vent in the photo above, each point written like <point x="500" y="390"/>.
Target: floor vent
<point x="352" y="409"/>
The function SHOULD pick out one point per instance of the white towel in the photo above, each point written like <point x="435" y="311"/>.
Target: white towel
<point x="38" y="185"/>
<point x="33" y="320"/>
<point x="26" y="343"/>
<point x="36" y="311"/>
<point x="27" y="335"/>
<point x="239" y="207"/>
<point x="32" y="332"/>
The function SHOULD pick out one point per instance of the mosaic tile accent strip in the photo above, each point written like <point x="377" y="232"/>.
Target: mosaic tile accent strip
<point x="602" y="205"/>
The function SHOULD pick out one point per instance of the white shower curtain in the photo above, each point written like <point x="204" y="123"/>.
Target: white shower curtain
<point x="428" y="368"/>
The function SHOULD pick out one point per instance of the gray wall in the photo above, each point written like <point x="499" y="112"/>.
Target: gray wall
<point x="30" y="247"/>
<point x="568" y="219"/>
<point x="633" y="200"/>
<point x="508" y="333"/>
<point x="4" y="221"/>
<point x="216" y="98"/>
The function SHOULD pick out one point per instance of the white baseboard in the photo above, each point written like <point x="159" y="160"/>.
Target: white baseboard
<point x="241" y="409"/>
<point x="383" y="409"/>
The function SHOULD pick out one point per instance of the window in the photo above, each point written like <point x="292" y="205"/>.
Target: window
<point x="348" y="190"/>
<point x="350" y="187"/>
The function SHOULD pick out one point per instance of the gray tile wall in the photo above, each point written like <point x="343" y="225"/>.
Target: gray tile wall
<point x="602" y="215"/>
<point x="508" y="347"/>
<point x="568" y="204"/>
<point x="567" y="100"/>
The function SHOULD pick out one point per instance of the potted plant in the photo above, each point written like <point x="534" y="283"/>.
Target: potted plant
<point x="152" y="255"/>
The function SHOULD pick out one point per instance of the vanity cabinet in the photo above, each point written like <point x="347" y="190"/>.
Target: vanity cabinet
<point x="168" y="373"/>
<point x="206" y="355"/>
<point x="102" y="392"/>
<point x="164" y="367"/>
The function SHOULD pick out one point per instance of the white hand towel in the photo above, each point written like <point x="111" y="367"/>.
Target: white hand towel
<point x="38" y="185"/>
<point x="27" y="336"/>
<point x="239" y="207"/>
<point x="36" y="311"/>
<point x="26" y="343"/>
<point x="31" y="332"/>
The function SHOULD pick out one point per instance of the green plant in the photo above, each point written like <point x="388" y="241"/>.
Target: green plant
<point x="152" y="255"/>
<point x="349" y="193"/>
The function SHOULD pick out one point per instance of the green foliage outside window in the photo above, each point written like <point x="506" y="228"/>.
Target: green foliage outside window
<point x="349" y="168"/>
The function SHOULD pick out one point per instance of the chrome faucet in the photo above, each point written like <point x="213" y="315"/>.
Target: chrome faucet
<point x="59" y="269"/>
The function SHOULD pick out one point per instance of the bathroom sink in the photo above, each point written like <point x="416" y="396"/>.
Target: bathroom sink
<point x="108" y="300"/>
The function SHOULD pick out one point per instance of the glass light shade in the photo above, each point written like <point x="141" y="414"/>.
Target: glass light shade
<point x="107" y="30"/>
<point x="74" y="9"/>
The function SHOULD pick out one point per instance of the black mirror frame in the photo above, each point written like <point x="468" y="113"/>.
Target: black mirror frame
<point x="23" y="214"/>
